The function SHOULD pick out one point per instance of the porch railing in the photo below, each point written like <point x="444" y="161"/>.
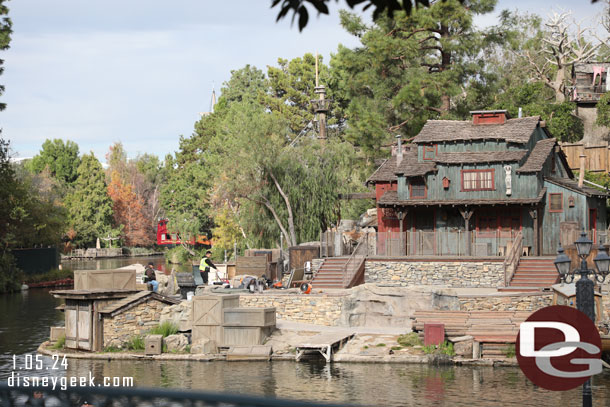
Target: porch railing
<point x="355" y="261"/>
<point x="513" y="256"/>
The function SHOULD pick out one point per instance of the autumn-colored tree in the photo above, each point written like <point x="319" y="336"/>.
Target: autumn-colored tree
<point x="129" y="212"/>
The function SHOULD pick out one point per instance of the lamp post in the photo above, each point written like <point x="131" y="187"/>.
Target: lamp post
<point x="585" y="295"/>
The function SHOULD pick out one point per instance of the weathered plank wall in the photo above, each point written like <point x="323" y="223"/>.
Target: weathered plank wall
<point x="597" y="157"/>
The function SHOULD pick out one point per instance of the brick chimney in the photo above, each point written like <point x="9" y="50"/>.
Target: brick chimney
<point x="480" y="117"/>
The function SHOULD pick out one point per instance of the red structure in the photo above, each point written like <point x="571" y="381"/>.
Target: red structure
<point x="167" y="237"/>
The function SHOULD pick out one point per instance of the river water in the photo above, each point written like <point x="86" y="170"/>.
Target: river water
<point x="25" y="319"/>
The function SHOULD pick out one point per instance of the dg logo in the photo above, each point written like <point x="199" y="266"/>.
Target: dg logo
<point x="559" y="348"/>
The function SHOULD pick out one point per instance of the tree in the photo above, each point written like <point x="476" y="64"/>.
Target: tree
<point x="89" y="206"/>
<point x="128" y="212"/>
<point x="5" y="38"/>
<point x="409" y="68"/>
<point x="61" y="159"/>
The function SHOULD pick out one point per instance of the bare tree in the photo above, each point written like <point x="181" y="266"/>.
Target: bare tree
<point x="564" y="44"/>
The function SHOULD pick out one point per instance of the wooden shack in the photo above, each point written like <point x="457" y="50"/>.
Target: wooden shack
<point x="565" y="294"/>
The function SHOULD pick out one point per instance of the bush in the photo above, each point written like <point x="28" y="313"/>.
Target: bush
<point x="10" y="275"/>
<point x="410" y="339"/>
<point x="445" y="347"/>
<point x="166" y="329"/>
<point x="511" y="351"/>
<point x="112" y="349"/>
<point x="55" y="274"/>
<point x="380" y="345"/>
<point x="136" y="342"/>
<point x="61" y="342"/>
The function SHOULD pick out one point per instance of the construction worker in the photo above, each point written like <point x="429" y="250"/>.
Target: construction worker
<point x="204" y="266"/>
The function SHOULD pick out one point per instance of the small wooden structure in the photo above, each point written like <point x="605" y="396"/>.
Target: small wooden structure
<point x="324" y="343"/>
<point x="120" y="279"/>
<point x="299" y="255"/>
<point x="565" y="294"/>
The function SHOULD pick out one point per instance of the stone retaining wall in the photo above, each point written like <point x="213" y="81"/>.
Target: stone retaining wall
<point x="505" y="302"/>
<point x="310" y="309"/>
<point x="134" y="321"/>
<point x="404" y="273"/>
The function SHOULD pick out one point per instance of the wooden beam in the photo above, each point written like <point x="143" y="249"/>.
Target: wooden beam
<point x="358" y="195"/>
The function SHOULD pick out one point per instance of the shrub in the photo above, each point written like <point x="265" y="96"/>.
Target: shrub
<point x="510" y="351"/>
<point x="112" y="349"/>
<point x="445" y="347"/>
<point x="166" y="329"/>
<point x="55" y="274"/>
<point x="136" y="342"/>
<point x="396" y="347"/>
<point x="410" y="339"/>
<point x="61" y="342"/>
<point x="380" y="345"/>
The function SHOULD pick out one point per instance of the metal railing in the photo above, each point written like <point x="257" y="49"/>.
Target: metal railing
<point x="513" y="256"/>
<point x="124" y="396"/>
<point x="355" y="261"/>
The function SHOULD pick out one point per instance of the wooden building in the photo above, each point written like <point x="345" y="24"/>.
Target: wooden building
<point x="474" y="187"/>
<point x="589" y="82"/>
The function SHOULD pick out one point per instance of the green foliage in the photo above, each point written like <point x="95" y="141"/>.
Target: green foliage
<point x="166" y="329"/>
<point x="59" y="158"/>
<point x="52" y="275"/>
<point x="445" y="348"/>
<point x="10" y="275"/>
<point x="136" y="342"/>
<point x="89" y="206"/>
<point x="410" y="339"/>
<point x="380" y="345"/>
<point x="396" y="347"/>
<point x="112" y="349"/>
<point x="5" y="38"/>
<point x="603" y="110"/>
<point x="61" y="342"/>
<point x="600" y="178"/>
<point x="510" y="351"/>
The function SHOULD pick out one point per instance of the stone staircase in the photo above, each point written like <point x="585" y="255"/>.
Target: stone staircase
<point x="330" y="274"/>
<point x="533" y="274"/>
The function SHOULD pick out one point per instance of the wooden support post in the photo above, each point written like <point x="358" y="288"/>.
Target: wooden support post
<point x="401" y="214"/>
<point x="466" y="214"/>
<point x="534" y="214"/>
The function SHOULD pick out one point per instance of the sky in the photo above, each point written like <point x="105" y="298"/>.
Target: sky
<point x="140" y="71"/>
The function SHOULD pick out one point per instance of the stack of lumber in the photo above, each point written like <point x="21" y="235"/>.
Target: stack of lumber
<point x="499" y="327"/>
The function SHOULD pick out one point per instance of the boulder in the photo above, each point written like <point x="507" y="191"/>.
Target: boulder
<point x="170" y="287"/>
<point x="377" y="306"/>
<point x="179" y="315"/>
<point x="176" y="343"/>
<point x="204" y="346"/>
<point x="463" y="348"/>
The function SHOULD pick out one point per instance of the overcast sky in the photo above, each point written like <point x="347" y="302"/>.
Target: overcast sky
<point x="140" y="71"/>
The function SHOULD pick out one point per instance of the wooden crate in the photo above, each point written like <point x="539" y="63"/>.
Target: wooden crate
<point x="122" y="279"/>
<point x="252" y="265"/>
<point x="245" y="336"/>
<point x="208" y="309"/>
<point x="299" y="255"/>
<point x="251" y="317"/>
<point x="153" y="344"/>
<point x="209" y="332"/>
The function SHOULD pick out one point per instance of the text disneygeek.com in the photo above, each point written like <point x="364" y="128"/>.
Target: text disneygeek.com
<point x="62" y="383"/>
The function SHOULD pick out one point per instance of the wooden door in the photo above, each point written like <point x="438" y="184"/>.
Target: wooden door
<point x="78" y="324"/>
<point x="424" y="225"/>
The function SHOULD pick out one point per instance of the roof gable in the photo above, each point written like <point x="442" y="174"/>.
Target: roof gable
<point x="135" y="299"/>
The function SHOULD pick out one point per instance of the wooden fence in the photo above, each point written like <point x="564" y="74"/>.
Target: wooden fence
<point x="598" y="157"/>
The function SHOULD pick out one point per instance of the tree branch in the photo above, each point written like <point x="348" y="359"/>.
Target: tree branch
<point x="288" y="207"/>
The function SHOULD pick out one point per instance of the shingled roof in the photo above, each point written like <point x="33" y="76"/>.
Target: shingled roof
<point x="538" y="156"/>
<point x="572" y="185"/>
<point x="410" y="167"/>
<point x="390" y="198"/>
<point x="513" y="130"/>
<point x="480" y="157"/>
<point x="385" y="172"/>
<point x="135" y="299"/>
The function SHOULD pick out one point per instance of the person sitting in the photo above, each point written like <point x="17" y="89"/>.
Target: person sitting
<point x="150" y="277"/>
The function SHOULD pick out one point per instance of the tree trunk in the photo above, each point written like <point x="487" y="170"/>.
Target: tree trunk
<point x="559" y="85"/>
<point x="293" y="235"/>
<point x="445" y="64"/>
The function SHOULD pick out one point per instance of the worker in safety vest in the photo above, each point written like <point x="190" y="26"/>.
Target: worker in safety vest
<point x="204" y="266"/>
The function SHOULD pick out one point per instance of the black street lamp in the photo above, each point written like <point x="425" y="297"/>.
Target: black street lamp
<point x="585" y="295"/>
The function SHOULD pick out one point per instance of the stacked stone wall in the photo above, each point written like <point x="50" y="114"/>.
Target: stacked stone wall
<point x="311" y="309"/>
<point x="402" y="273"/>
<point x="503" y="302"/>
<point x="134" y="321"/>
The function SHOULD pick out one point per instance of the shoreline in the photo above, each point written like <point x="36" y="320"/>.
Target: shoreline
<point x="425" y="359"/>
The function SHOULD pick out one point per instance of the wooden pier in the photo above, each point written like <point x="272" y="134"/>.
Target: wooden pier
<point x="324" y="343"/>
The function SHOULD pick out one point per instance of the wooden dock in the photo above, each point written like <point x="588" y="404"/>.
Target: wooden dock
<point x="324" y="343"/>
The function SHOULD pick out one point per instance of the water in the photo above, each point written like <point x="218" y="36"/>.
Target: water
<point x="25" y="319"/>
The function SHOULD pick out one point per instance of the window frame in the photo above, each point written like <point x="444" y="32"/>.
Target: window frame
<point x="431" y="149"/>
<point x="551" y="202"/>
<point x="491" y="171"/>
<point x="423" y="183"/>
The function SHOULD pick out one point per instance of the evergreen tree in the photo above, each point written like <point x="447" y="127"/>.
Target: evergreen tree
<point x="60" y="158"/>
<point x="89" y="206"/>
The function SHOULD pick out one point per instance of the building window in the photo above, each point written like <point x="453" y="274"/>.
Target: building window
<point x="556" y="202"/>
<point x="478" y="180"/>
<point x="418" y="188"/>
<point x="430" y="151"/>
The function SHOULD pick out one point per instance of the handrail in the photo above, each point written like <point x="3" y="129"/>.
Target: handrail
<point x="512" y="258"/>
<point x="349" y="272"/>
